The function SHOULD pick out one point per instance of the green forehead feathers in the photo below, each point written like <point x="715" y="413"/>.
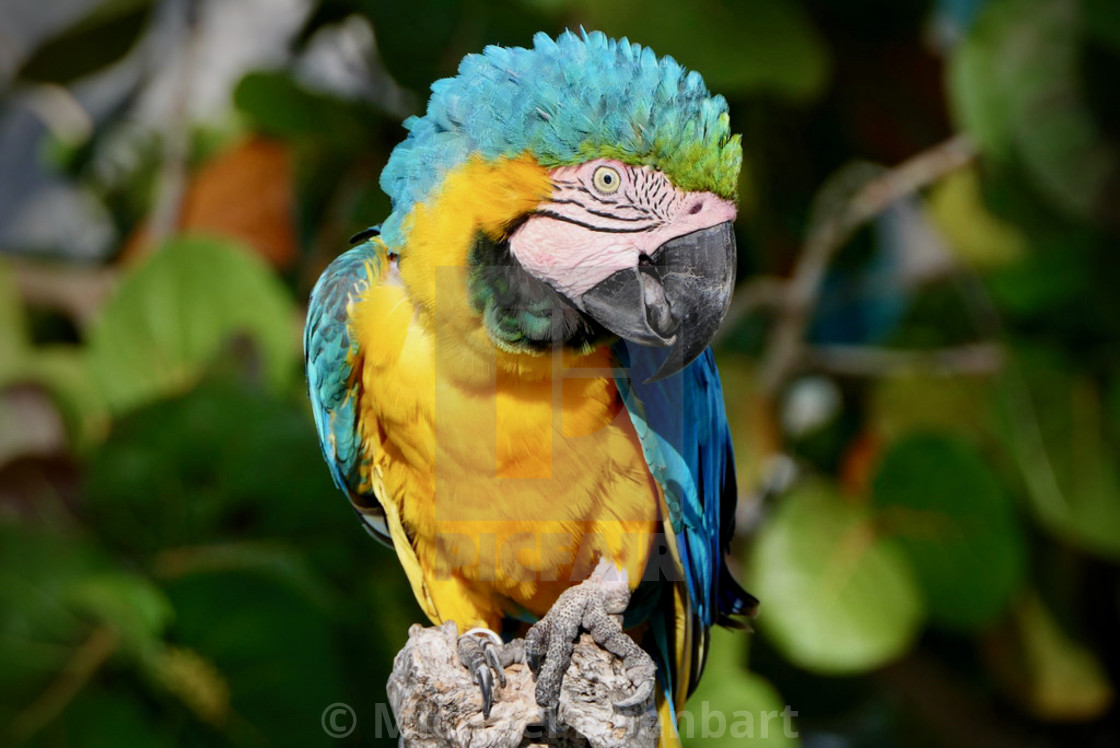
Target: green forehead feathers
<point x="567" y="101"/>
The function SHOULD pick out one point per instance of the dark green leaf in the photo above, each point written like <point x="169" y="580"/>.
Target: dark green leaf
<point x="97" y="40"/>
<point x="939" y="500"/>
<point x="1017" y="88"/>
<point x="114" y="720"/>
<point x="54" y="592"/>
<point x="277" y="105"/>
<point x="223" y="462"/>
<point x="757" y="46"/>
<point x="272" y="648"/>
<point x="1102" y="22"/>
<point x="1055" y="426"/>
<point x="414" y="38"/>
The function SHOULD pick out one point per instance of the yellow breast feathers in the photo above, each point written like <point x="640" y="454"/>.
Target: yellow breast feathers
<point x="504" y="476"/>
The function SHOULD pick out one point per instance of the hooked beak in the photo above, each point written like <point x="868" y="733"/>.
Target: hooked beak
<point x="677" y="298"/>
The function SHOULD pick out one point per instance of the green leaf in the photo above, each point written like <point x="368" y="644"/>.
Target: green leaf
<point x="171" y="317"/>
<point x="278" y="106"/>
<point x="60" y="369"/>
<point x="38" y="631"/>
<point x="132" y="606"/>
<point x="59" y="595"/>
<point x="1102" y="22"/>
<point x="756" y="46"/>
<point x="223" y="462"/>
<point x="64" y="371"/>
<point x="261" y="639"/>
<point x="958" y="527"/>
<point x="1044" y="669"/>
<point x="280" y="561"/>
<point x="922" y="401"/>
<point x="417" y="39"/>
<point x="106" y="719"/>
<point x="1021" y="58"/>
<point x="1055" y="426"/>
<point x="733" y="704"/>
<point x="977" y="237"/>
<point x="100" y="38"/>
<point x="836" y="597"/>
<point x="1053" y="277"/>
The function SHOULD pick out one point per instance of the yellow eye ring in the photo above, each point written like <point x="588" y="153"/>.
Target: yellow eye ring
<point x="606" y="180"/>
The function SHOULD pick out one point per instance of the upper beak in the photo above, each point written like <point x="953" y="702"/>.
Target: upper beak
<point x="678" y="298"/>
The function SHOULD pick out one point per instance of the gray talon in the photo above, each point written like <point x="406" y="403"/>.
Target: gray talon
<point x="643" y="692"/>
<point x="485" y="680"/>
<point x="536" y="642"/>
<point x="595" y="606"/>
<point x="493" y="659"/>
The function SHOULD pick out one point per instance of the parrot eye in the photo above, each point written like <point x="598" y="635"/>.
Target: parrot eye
<point x="606" y="180"/>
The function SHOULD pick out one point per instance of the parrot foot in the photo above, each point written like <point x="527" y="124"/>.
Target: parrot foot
<point x="596" y="606"/>
<point x="484" y="655"/>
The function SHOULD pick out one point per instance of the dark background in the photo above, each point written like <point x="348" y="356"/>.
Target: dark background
<point x="926" y="419"/>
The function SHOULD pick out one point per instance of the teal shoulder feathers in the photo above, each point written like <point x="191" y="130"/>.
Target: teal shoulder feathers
<point x="331" y="359"/>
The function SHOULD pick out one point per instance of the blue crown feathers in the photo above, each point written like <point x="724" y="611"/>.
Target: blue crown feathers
<point x="566" y="101"/>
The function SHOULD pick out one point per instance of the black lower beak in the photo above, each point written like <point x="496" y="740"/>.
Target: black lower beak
<point x="677" y="298"/>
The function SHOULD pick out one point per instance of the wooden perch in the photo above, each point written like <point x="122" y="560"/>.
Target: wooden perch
<point x="437" y="704"/>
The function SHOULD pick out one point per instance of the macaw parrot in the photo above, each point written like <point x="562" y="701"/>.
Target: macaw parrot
<point x="511" y="378"/>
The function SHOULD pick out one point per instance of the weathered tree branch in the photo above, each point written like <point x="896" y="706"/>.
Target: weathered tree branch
<point x="437" y="704"/>
<point x="865" y="361"/>
<point x="853" y="197"/>
<point x="832" y="226"/>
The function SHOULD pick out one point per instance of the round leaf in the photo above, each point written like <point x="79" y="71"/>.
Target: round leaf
<point x="171" y="317"/>
<point x="835" y="597"/>
<point x="732" y="704"/>
<point x="211" y="458"/>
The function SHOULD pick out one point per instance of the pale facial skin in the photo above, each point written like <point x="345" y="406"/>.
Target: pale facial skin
<point x="603" y="216"/>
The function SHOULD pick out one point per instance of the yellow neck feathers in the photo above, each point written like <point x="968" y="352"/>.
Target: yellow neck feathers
<point x="477" y="196"/>
<point x="486" y="196"/>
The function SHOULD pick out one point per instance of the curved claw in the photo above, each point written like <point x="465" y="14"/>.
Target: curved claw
<point x="494" y="661"/>
<point x="479" y="652"/>
<point x="639" y="697"/>
<point x="536" y="642"/>
<point x="485" y="680"/>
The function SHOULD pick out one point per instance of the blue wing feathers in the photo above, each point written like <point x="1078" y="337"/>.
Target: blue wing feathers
<point x="682" y="426"/>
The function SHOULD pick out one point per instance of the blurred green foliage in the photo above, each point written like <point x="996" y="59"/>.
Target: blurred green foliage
<point x="176" y="567"/>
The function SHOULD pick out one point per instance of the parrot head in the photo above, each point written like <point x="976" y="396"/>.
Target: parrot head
<point x="594" y="186"/>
